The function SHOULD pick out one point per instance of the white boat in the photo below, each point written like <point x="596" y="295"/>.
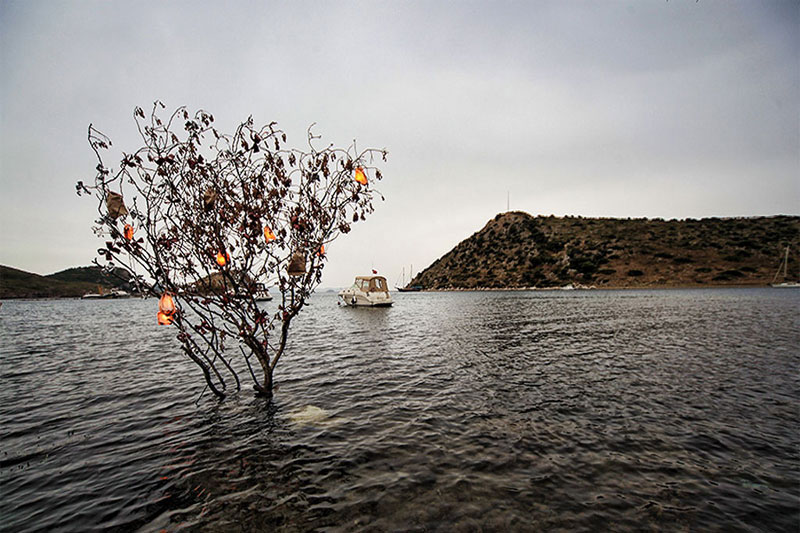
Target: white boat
<point x="262" y="293"/>
<point x="103" y="295"/>
<point x="367" y="291"/>
<point x="785" y="266"/>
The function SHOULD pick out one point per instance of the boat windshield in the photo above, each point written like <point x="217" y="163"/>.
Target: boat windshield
<point x="371" y="284"/>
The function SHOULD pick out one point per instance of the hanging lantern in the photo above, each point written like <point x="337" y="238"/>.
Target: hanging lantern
<point x="297" y="265"/>
<point x="166" y="309"/>
<point x="166" y="304"/>
<point x="128" y="232"/>
<point x="361" y="176"/>
<point x="321" y="251"/>
<point x="115" y="205"/>
<point x="268" y="234"/>
<point x="223" y="258"/>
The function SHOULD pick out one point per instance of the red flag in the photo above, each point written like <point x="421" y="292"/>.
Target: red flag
<point x="374" y="271"/>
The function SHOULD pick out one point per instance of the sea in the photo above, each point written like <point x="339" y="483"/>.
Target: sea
<point x="612" y="410"/>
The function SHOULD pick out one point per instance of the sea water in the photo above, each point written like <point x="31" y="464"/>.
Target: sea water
<point x="474" y="411"/>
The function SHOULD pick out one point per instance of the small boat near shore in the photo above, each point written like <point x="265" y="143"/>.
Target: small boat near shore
<point x="402" y="287"/>
<point x="413" y="288"/>
<point x="785" y="267"/>
<point x="262" y="293"/>
<point x="366" y="291"/>
<point x="102" y="294"/>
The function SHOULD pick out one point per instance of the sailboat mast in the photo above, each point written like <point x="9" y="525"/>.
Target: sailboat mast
<point x="786" y="263"/>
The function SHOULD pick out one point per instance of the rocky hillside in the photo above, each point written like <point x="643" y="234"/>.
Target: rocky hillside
<point x="516" y="249"/>
<point x="73" y="282"/>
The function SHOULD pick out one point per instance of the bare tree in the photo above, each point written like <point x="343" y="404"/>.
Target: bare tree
<point x="206" y="220"/>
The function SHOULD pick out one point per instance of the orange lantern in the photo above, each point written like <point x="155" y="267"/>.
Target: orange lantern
<point x="361" y="176"/>
<point x="128" y="232"/>
<point x="223" y="258"/>
<point x="268" y="234"/>
<point x="321" y="250"/>
<point x="166" y="304"/>
<point x="164" y="319"/>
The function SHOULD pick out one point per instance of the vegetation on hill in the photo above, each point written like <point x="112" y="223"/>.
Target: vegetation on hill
<point x="95" y="275"/>
<point x="516" y="249"/>
<point x="73" y="282"/>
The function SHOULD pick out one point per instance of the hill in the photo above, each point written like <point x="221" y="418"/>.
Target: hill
<point x="73" y="282"/>
<point x="95" y="275"/>
<point x="515" y="250"/>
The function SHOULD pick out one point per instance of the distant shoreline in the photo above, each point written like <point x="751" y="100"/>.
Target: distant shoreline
<point x="498" y="289"/>
<point x="606" y="288"/>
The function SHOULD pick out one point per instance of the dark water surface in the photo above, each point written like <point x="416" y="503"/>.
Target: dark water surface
<point x="504" y="411"/>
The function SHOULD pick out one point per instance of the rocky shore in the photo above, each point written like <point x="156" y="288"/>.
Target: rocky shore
<point x="516" y="250"/>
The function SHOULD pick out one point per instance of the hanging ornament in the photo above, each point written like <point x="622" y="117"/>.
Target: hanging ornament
<point x="223" y="258"/>
<point x="128" y="232"/>
<point x="115" y="205"/>
<point x="297" y="265"/>
<point x="268" y="234"/>
<point x="166" y="309"/>
<point x="361" y="176"/>
<point x="166" y="304"/>
<point x="321" y="251"/>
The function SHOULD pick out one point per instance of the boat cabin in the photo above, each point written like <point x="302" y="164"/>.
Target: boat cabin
<point x="371" y="284"/>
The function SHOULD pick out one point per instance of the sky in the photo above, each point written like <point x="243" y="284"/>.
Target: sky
<point x="671" y="109"/>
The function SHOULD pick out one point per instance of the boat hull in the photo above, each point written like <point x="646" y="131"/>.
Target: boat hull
<point x="786" y="285"/>
<point x="112" y="294"/>
<point x="361" y="299"/>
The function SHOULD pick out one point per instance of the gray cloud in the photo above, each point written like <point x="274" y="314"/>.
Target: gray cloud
<point x="673" y="109"/>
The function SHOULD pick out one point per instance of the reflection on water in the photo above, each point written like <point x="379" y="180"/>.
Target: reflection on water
<point x="502" y="411"/>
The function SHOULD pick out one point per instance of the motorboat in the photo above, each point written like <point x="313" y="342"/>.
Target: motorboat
<point x="262" y="293"/>
<point x="101" y="294"/>
<point x="367" y="291"/>
<point x="92" y="296"/>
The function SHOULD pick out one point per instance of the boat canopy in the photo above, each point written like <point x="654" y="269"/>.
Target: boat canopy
<point x="371" y="283"/>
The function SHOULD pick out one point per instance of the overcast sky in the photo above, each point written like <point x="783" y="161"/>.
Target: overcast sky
<point x="643" y="109"/>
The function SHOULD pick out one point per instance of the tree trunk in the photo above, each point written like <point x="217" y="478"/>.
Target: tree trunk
<point x="265" y="389"/>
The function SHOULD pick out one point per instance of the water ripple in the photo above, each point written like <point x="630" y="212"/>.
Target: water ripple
<point x="518" y="411"/>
